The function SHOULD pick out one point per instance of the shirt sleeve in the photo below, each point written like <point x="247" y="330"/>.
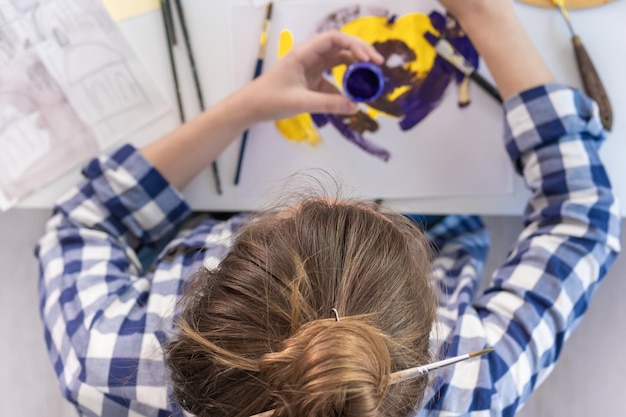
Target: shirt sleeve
<point x="536" y="299"/>
<point x="93" y="289"/>
<point x="461" y="244"/>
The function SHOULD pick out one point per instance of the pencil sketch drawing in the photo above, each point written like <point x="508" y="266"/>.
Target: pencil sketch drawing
<point x="69" y="87"/>
<point x="100" y="79"/>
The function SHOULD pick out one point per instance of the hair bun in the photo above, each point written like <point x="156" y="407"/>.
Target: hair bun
<point x="329" y="368"/>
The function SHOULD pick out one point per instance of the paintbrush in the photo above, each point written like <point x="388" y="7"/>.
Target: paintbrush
<point x="449" y="53"/>
<point x="412" y="373"/>
<point x="425" y="369"/>
<point x="257" y="71"/>
<point x="591" y="79"/>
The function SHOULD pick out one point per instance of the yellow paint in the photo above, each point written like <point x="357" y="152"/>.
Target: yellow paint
<point x="124" y="9"/>
<point x="300" y="128"/>
<point x="285" y="43"/>
<point x="409" y="28"/>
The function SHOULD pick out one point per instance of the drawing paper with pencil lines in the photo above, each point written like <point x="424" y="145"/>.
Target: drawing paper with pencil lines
<point x="70" y="86"/>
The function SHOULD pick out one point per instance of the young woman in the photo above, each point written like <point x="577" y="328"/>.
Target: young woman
<point x="307" y="310"/>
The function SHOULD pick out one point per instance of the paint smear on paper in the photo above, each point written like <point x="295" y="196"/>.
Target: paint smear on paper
<point x="408" y="56"/>
<point x="415" y="76"/>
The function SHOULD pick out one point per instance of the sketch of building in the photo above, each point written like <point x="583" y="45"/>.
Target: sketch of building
<point x="100" y="79"/>
<point x="65" y="17"/>
<point x="16" y="32"/>
<point x="69" y="87"/>
<point x="21" y="140"/>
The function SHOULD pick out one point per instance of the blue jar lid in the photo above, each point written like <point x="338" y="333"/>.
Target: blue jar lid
<point x="363" y="82"/>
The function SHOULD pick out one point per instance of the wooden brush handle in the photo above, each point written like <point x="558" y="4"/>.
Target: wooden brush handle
<point x="593" y="84"/>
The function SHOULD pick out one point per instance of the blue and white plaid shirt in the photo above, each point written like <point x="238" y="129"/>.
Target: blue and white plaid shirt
<point x="107" y="317"/>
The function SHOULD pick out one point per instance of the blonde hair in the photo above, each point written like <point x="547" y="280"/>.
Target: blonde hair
<point x="257" y="332"/>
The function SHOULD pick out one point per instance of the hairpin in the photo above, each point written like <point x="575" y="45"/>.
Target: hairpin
<point x="411" y="373"/>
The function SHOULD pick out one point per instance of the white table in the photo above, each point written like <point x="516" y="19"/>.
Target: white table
<point x="601" y="29"/>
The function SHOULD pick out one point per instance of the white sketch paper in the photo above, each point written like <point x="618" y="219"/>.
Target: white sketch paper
<point x="70" y="86"/>
<point x="452" y="152"/>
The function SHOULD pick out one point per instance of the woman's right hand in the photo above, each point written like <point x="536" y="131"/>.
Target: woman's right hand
<point x="295" y="84"/>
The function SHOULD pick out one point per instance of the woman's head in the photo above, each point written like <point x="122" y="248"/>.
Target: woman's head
<point x="258" y="332"/>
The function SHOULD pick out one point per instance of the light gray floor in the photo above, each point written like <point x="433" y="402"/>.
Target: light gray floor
<point x="588" y="381"/>
<point x="27" y="383"/>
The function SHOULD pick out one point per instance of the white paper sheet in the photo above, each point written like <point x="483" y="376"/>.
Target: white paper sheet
<point x="259" y="3"/>
<point x="70" y="86"/>
<point x="452" y="152"/>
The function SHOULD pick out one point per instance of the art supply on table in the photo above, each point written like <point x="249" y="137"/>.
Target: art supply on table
<point x="363" y="82"/>
<point x="170" y="35"/>
<point x="168" y="21"/>
<point x="591" y="79"/>
<point x="257" y="71"/>
<point x="412" y="373"/>
<point x="445" y="50"/>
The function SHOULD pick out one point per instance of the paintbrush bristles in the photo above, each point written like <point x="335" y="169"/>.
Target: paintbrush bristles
<point x="268" y="13"/>
<point x="265" y="32"/>
<point x="481" y="352"/>
<point x="411" y="373"/>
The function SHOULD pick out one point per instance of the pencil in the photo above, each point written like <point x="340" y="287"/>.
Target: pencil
<point x="196" y="80"/>
<point x="257" y="71"/>
<point x="168" y="22"/>
<point x="190" y="55"/>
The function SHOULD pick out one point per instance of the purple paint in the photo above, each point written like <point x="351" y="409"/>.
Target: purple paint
<point x="422" y="94"/>
<point x="358" y="139"/>
<point x="363" y="82"/>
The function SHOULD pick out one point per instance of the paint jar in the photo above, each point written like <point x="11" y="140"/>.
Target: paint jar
<point x="363" y="82"/>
